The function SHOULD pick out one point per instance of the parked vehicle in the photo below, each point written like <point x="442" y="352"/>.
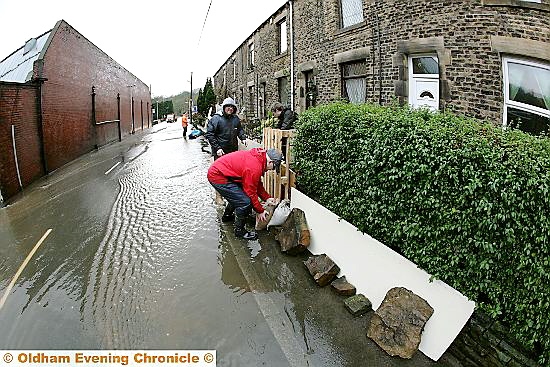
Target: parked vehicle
<point x="170" y="117"/>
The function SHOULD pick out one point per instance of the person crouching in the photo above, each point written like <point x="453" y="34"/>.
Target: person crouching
<point x="237" y="176"/>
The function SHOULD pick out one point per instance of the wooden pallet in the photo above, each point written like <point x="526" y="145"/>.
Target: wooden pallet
<point x="278" y="185"/>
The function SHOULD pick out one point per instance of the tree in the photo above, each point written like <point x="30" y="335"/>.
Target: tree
<point x="200" y="103"/>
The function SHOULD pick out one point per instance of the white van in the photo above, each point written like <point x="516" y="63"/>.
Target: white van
<point x="170" y="117"/>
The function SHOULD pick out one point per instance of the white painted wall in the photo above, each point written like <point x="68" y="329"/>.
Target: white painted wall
<point x="374" y="269"/>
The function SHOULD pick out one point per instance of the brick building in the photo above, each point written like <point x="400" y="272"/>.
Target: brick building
<point x="61" y="97"/>
<point x="488" y="59"/>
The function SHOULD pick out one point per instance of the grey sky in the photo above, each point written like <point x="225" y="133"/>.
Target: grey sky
<point x="158" y="41"/>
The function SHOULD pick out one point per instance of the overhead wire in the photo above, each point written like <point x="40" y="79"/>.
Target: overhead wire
<point x="200" y="36"/>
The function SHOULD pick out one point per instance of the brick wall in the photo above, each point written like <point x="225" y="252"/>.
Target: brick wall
<point x="72" y="65"/>
<point x="19" y="107"/>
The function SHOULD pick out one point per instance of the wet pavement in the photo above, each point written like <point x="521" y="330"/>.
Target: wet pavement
<point x="138" y="259"/>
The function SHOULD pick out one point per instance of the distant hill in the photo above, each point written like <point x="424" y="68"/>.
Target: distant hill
<point x="179" y="101"/>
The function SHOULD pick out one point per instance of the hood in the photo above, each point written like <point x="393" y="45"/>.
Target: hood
<point x="229" y="102"/>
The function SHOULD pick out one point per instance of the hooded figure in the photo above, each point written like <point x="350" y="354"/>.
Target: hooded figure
<point x="224" y="128"/>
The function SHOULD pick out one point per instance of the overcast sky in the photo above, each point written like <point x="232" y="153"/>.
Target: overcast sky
<point x="157" y="41"/>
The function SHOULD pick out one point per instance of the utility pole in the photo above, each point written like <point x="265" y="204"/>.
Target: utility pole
<point x="191" y="112"/>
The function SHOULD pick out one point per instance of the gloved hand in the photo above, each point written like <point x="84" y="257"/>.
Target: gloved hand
<point x="220" y="152"/>
<point x="262" y="217"/>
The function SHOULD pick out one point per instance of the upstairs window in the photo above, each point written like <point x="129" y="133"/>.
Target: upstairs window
<point x="527" y="95"/>
<point x="354" y="81"/>
<point x="281" y="29"/>
<point x="251" y="55"/>
<point x="234" y="62"/>
<point x="351" y="11"/>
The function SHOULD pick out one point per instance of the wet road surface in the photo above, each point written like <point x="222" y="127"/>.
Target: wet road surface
<point x="137" y="259"/>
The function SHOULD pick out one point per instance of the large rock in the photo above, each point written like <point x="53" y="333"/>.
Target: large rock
<point x="398" y="323"/>
<point x="294" y="236"/>
<point x="322" y="268"/>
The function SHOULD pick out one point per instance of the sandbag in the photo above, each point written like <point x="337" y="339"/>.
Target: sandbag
<point x="269" y="208"/>
<point x="280" y="214"/>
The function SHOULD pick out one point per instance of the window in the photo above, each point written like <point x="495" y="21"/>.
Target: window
<point x="354" y="82"/>
<point x="282" y="87"/>
<point x="234" y="61"/>
<point x="352" y="12"/>
<point x="424" y="81"/>
<point x="526" y="95"/>
<point x="282" y="36"/>
<point x="311" y="89"/>
<point x="251" y="55"/>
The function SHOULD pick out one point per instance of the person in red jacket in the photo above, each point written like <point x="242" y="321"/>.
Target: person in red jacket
<point x="237" y="176"/>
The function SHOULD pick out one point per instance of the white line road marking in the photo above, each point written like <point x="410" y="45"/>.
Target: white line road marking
<point x="112" y="168"/>
<point x="22" y="267"/>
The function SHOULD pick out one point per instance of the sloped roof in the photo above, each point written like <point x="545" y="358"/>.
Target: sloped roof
<point x="17" y="67"/>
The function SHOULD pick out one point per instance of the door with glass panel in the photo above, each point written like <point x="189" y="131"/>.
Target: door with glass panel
<point x="424" y="81"/>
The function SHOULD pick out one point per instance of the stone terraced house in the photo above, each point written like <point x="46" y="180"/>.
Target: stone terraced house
<point x="488" y="59"/>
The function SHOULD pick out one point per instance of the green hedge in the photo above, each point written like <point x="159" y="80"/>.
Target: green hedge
<point x="465" y="200"/>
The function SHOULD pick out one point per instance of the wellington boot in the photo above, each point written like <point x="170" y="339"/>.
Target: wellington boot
<point x="245" y="235"/>
<point x="241" y="232"/>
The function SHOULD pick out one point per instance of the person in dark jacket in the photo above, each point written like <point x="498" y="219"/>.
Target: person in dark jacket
<point x="237" y="176"/>
<point x="286" y="116"/>
<point x="224" y="128"/>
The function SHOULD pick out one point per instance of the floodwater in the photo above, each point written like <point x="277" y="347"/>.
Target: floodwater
<point x="137" y="259"/>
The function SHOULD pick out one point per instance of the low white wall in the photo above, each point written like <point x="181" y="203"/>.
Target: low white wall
<point x="374" y="269"/>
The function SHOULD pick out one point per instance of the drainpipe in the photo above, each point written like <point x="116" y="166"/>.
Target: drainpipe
<point x="41" y="125"/>
<point x="94" y="127"/>
<point x="291" y="55"/>
<point x="15" y="156"/>
<point x="118" y="116"/>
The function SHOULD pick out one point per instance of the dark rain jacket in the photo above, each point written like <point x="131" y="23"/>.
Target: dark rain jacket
<point x="287" y="119"/>
<point x="222" y="132"/>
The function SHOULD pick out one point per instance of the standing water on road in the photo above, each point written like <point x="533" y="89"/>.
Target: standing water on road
<point x="137" y="259"/>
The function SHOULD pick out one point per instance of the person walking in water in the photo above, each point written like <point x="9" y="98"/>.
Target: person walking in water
<point x="237" y="176"/>
<point x="184" y="123"/>
<point x="224" y="128"/>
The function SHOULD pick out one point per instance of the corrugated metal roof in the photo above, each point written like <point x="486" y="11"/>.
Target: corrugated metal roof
<point x="18" y="66"/>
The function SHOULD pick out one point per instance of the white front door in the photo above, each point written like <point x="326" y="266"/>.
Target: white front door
<point x="424" y="82"/>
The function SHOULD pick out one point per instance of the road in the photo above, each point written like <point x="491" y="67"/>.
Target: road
<point x="137" y="259"/>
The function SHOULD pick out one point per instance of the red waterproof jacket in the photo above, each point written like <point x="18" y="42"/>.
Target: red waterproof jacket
<point x="244" y="167"/>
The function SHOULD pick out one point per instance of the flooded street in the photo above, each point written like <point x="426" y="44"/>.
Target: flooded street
<point x="138" y="259"/>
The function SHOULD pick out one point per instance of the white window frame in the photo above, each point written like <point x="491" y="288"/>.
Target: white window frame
<point x="514" y="104"/>
<point x="282" y="36"/>
<point x="351" y="14"/>
<point x="251" y="55"/>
